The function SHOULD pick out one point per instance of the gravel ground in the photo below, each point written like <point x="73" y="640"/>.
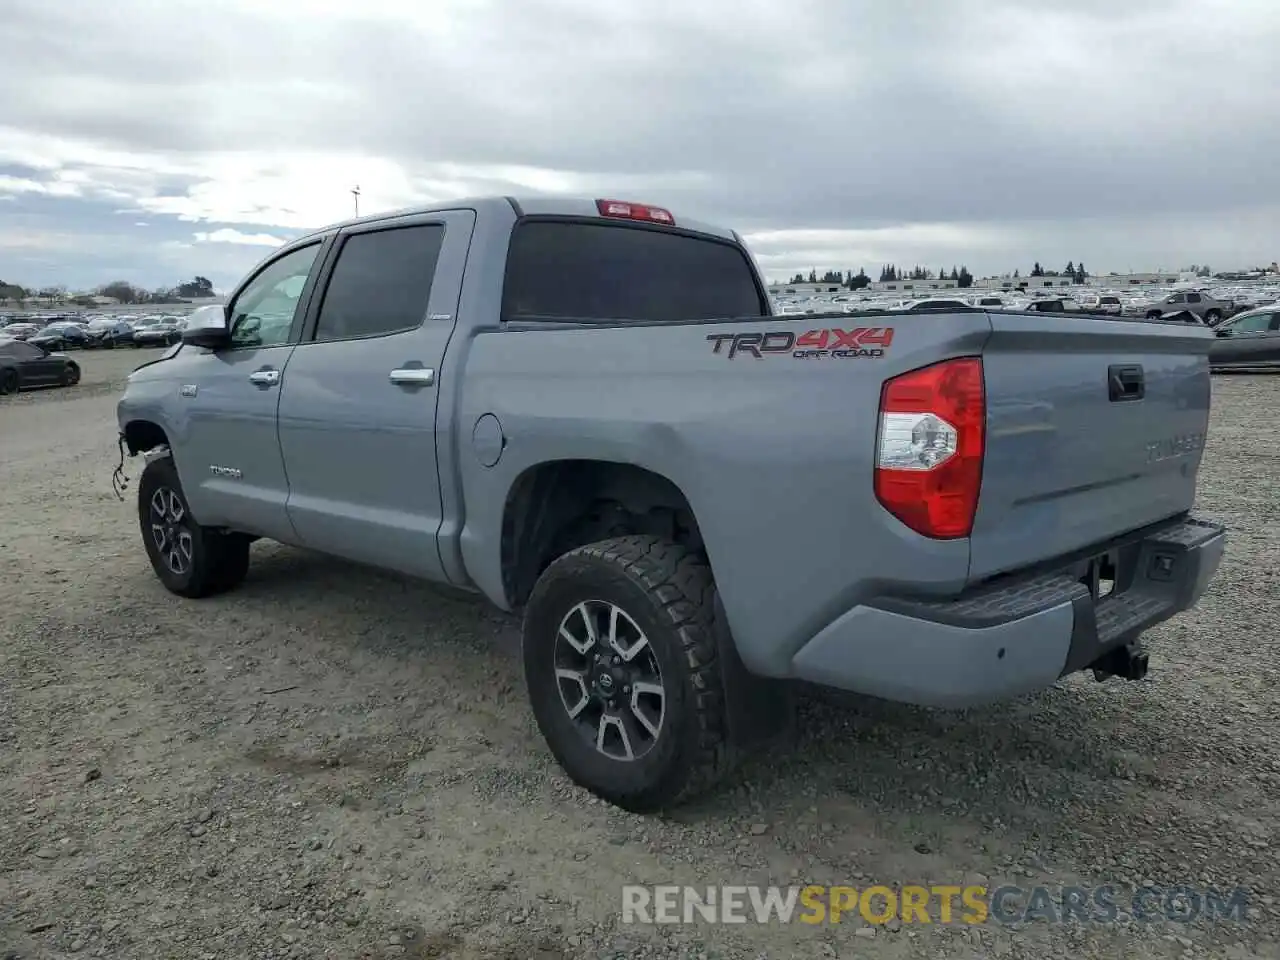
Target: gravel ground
<point x="332" y="762"/>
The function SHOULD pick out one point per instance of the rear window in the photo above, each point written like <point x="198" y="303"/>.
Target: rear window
<point x="574" y="270"/>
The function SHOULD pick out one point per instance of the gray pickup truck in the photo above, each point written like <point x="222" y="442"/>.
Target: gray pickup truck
<point x="586" y="411"/>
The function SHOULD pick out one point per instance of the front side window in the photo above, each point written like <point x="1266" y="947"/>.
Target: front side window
<point x="380" y="283"/>
<point x="25" y="351"/>
<point x="581" y="270"/>
<point x="1258" y="323"/>
<point x="262" y="315"/>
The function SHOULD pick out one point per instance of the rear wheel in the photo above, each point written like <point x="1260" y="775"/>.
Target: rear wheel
<point x="1212" y="317"/>
<point x="190" y="560"/>
<point x="8" y="381"/>
<point x="621" y="667"/>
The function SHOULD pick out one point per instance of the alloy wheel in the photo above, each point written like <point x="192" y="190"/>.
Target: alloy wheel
<point x="170" y="531"/>
<point x="609" y="680"/>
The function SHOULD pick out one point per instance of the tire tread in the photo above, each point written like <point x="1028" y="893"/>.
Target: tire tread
<point x="679" y="582"/>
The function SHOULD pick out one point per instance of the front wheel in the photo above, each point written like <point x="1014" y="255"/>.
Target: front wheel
<point x="621" y="666"/>
<point x="70" y="375"/>
<point x="1212" y="317"/>
<point x="8" y="381"/>
<point x="190" y="560"/>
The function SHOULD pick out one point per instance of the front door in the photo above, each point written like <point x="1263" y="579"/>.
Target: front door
<point x="227" y="451"/>
<point x="1251" y="339"/>
<point x="36" y="366"/>
<point x="358" y="402"/>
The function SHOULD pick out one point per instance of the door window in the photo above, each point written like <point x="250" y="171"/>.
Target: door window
<point x="24" y="351"/>
<point x="263" y="313"/>
<point x="381" y="283"/>
<point x="1258" y="323"/>
<point x="1193" y="298"/>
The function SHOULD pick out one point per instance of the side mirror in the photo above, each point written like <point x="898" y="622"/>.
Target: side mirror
<point x="207" y="327"/>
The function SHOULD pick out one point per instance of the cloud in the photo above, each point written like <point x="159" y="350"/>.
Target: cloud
<point x="836" y="133"/>
<point x="228" y="235"/>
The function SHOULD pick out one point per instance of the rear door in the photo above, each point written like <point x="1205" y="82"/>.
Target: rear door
<point x="358" y="406"/>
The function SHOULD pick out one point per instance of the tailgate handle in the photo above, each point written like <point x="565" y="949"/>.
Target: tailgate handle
<point x="1125" y="382"/>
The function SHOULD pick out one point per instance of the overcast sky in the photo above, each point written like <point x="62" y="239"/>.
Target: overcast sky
<point x="152" y="140"/>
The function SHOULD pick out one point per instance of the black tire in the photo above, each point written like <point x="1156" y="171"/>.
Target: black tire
<point x="9" y="381"/>
<point x="217" y="562"/>
<point x="667" y="592"/>
<point x="1212" y="316"/>
<point x="70" y="375"/>
<point x="1153" y="315"/>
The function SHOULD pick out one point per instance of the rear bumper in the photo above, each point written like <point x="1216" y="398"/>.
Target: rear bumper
<point x="1017" y="634"/>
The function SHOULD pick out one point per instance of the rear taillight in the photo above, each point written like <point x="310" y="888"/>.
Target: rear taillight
<point x="625" y="210"/>
<point x="929" y="447"/>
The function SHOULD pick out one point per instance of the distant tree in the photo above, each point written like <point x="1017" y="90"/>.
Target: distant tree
<point x="1204" y="272"/>
<point x="1037" y="270"/>
<point x="1071" y="269"/>
<point x="123" y="291"/>
<point x="13" y="291"/>
<point x="954" y="274"/>
<point x="860" y="280"/>
<point x="1081" y="274"/>
<point x="798" y="278"/>
<point x="964" y="278"/>
<point x="833" y="276"/>
<point x="1015" y="274"/>
<point x="813" y="276"/>
<point x="195" y="287"/>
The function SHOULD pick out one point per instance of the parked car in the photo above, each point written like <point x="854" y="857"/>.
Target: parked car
<point x="108" y="333"/>
<point x="1101" y="303"/>
<point x="23" y="365"/>
<point x="1247" y="341"/>
<point x="19" y="331"/>
<point x="932" y="304"/>
<point x="587" y="411"/>
<point x="1204" y="306"/>
<point x="162" y="334"/>
<point x="60" y="336"/>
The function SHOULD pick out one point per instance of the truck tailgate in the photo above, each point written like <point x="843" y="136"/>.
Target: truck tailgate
<point x="1094" y="428"/>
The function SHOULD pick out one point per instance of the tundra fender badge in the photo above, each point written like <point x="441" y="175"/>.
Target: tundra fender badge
<point x="230" y="472"/>
<point x="189" y="390"/>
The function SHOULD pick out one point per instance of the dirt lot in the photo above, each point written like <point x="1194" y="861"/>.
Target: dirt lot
<point x="331" y="762"/>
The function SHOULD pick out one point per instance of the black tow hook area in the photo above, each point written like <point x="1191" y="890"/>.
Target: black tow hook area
<point x="1128" y="663"/>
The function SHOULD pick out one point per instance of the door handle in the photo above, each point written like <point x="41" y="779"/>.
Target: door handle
<point x="265" y="378"/>
<point x="413" y="376"/>
<point x="1125" y="382"/>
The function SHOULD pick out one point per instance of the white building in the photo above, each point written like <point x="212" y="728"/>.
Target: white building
<point x="805" y="289"/>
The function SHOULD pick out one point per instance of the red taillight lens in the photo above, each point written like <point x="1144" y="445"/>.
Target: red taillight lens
<point x="625" y="210"/>
<point x="929" y="447"/>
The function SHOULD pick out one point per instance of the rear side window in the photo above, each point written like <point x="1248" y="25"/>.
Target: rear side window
<point x="571" y="270"/>
<point x="380" y="283"/>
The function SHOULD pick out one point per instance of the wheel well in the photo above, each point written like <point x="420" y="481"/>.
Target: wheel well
<point x="142" y="435"/>
<point x="555" y="507"/>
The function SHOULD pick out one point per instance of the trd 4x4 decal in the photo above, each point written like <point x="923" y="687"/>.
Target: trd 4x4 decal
<point x="860" y="342"/>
